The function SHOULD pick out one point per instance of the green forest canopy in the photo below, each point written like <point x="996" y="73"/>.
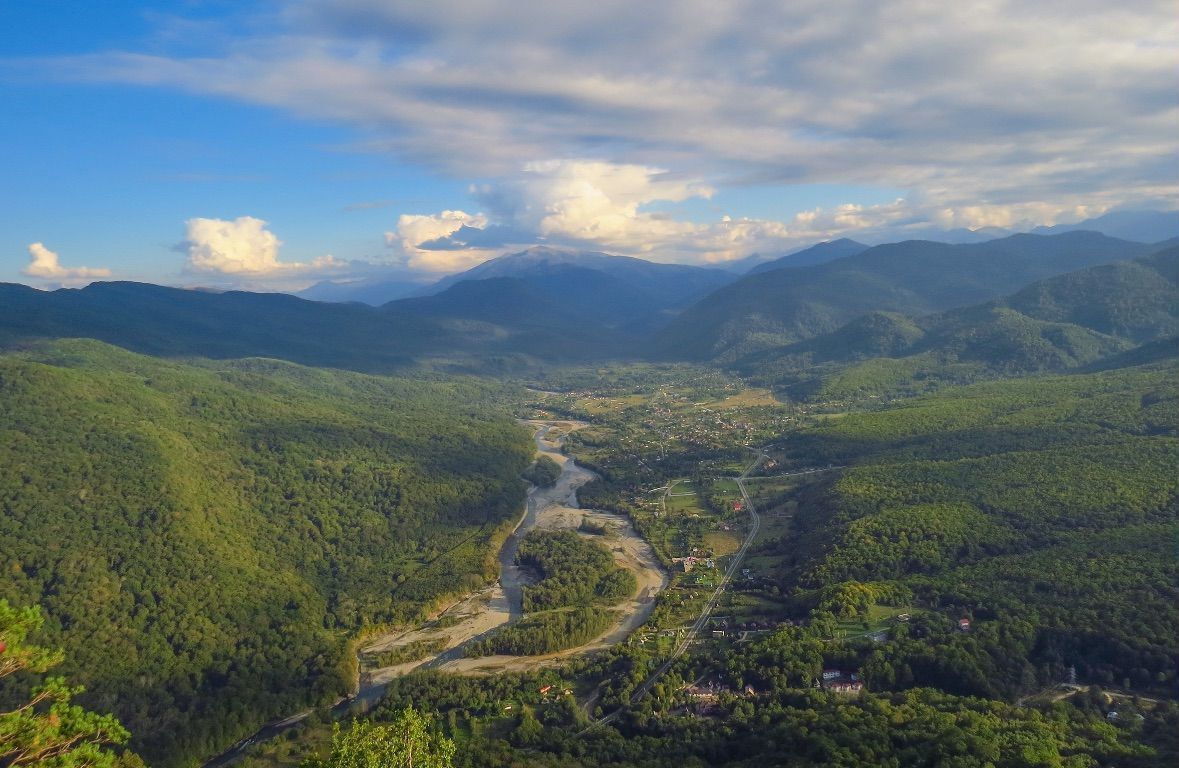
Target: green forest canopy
<point x="1046" y="510"/>
<point x="204" y="537"/>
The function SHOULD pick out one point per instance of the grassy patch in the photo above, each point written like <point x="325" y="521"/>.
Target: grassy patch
<point x="722" y="543"/>
<point x="747" y="399"/>
<point x="879" y="619"/>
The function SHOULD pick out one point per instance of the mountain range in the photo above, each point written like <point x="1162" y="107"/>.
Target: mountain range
<point x="638" y="284"/>
<point x="1067" y="321"/>
<point x="782" y="306"/>
<point x="816" y="254"/>
<point x="250" y="515"/>
<point x="550" y="305"/>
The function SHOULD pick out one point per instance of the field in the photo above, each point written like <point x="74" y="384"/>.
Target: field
<point x="601" y="406"/>
<point x="721" y="543"/>
<point x="748" y="398"/>
<point x="879" y="618"/>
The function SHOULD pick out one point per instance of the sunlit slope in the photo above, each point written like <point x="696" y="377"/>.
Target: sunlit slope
<point x="203" y="537"/>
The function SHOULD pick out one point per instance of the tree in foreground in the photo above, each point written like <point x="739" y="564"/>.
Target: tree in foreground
<point x="38" y="724"/>
<point x="407" y="742"/>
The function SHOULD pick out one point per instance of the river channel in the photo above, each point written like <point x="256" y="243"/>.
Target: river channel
<point x="485" y="611"/>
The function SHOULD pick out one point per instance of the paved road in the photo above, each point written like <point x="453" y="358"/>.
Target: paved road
<point x="709" y="607"/>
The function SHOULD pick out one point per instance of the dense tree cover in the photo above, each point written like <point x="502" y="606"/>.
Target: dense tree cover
<point x="38" y="723"/>
<point x="776" y="308"/>
<point x="204" y="536"/>
<point x="546" y="632"/>
<point x="1060" y="323"/>
<point x="520" y="720"/>
<point x="918" y="728"/>
<point x="408" y="741"/>
<point x="787" y="726"/>
<point x="1045" y="510"/>
<point x="468" y="697"/>
<point x="789" y="658"/>
<point x="573" y="571"/>
<point x="543" y="472"/>
<point x="413" y="651"/>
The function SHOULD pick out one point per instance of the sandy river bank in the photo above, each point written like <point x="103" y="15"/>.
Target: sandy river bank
<point x="483" y="611"/>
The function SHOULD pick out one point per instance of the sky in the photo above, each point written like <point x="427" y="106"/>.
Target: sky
<point x="269" y="145"/>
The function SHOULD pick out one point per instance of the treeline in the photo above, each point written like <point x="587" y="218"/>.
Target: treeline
<point x="204" y="536"/>
<point x="573" y="571"/>
<point x="546" y="632"/>
<point x="767" y="710"/>
<point x="812" y="728"/>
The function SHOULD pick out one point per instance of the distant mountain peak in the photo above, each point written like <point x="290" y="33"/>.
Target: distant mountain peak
<point x="820" y="253"/>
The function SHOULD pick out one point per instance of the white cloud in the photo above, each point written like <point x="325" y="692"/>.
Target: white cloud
<point x="599" y="205"/>
<point x="599" y="202"/>
<point x="243" y="247"/>
<point x="604" y="206"/>
<point x="984" y="114"/>
<point x="45" y="264"/>
<point x="960" y="103"/>
<point x="415" y="229"/>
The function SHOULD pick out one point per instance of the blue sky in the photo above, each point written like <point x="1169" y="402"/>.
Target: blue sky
<point x="271" y="145"/>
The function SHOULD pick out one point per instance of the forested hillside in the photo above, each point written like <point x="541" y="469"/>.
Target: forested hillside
<point x="472" y="321"/>
<point x="1063" y="322"/>
<point x="657" y="286"/>
<point x="816" y="254"/>
<point x="158" y="320"/>
<point x="784" y="306"/>
<point x="204" y="537"/>
<point x="1046" y="511"/>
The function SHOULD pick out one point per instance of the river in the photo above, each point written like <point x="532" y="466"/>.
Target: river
<point x="506" y="598"/>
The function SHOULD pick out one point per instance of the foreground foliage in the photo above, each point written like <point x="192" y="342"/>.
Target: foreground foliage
<point x="407" y="742"/>
<point x="39" y="724"/>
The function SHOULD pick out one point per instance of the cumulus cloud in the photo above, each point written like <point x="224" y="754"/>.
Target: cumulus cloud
<point x="984" y="114"/>
<point x="44" y="264"/>
<point x="616" y="208"/>
<point x="417" y="230"/>
<point x="605" y="206"/>
<point x="961" y="103"/>
<point x="243" y="247"/>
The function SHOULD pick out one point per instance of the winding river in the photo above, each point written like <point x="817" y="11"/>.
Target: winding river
<point x="505" y="600"/>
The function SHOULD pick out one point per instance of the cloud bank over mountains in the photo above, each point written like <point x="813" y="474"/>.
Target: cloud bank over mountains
<point x="244" y="247"/>
<point x="45" y="265"/>
<point x="587" y="123"/>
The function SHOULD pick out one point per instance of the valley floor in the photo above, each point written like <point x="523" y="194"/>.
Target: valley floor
<point x="477" y="614"/>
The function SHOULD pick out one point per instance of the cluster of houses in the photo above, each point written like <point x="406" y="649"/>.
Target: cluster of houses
<point x="691" y="561"/>
<point x="548" y="695"/>
<point x="704" y="699"/>
<point x="723" y="627"/>
<point x="838" y="681"/>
